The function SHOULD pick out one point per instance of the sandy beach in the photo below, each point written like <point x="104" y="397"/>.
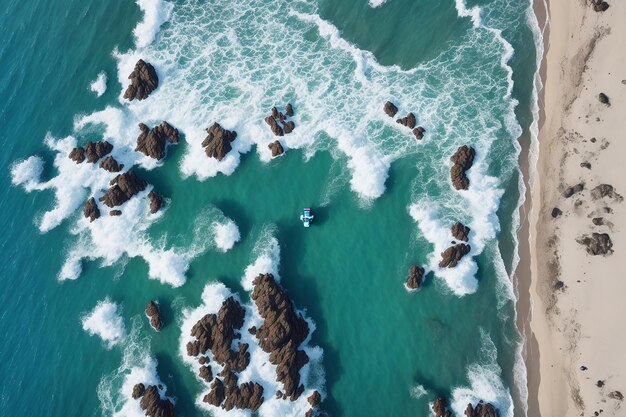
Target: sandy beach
<point x="578" y="336"/>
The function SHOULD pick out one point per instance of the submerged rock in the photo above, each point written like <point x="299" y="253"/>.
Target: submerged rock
<point x="123" y="187"/>
<point x="218" y="141"/>
<point x="276" y="148"/>
<point x="143" y="81"/>
<point x="597" y="244"/>
<point x="153" y="313"/>
<point x="414" y="281"/>
<point x="460" y="231"/>
<point x="91" y="210"/>
<point x="408" y="121"/>
<point x="451" y="256"/>
<point x="390" y="109"/>
<point x="96" y="150"/>
<point x="570" y="191"/>
<point x="77" y="155"/>
<point x="156" y="201"/>
<point x="110" y="164"/>
<point x="152" y="142"/>
<point x="462" y="160"/>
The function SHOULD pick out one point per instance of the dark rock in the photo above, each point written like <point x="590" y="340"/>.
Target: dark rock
<point x="408" y="121"/>
<point x="460" y="231"/>
<point x="252" y="330"/>
<point x="152" y="142"/>
<point x="138" y="390"/>
<point x="390" y="109"/>
<point x="115" y="213"/>
<point x="585" y="165"/>
<point x="440" y="407"/>
<point x="451" y="256"/>
<point x="277" y="148"/>
<point x="289" y="110"/>
<point x="462" y="160"/>
<point x="598" y="221"/>
<point x="556" y="212"/>
<point x="597" y="244"/>
<point x="77" y="155"/>
<point x="583" y="368"/>
<point x="605" y="190"/>
<point x="248" y="395"/>
<point x="216" y="396"/>
<point x="206" y="373"/>
<point x="592" y="140"/>
<point x="152" y="311"/>
<point x="314" y="399"/>
<point x="217" y="143"/>
<point x="123" y="187"/>
<point x="559" y="285"/>
<point x="419" y="132"/>
<point x="481" y="410"/>
<point x="599" y="5"/>
<point x="616" y="395"/>
<point x="156" y="201"/>
<point x="110" y="164"/>
<point x="570" y="191"/>
<point x="279" y="394"/>
<point x="193" y="348"/>
<point x="309" y="413"/>
<point x="416" y="273"/>
<point x="143" y="81"/>
<point x="273" y="124"/>
<point x="203" y="360"/>
<point x="154" y="406"/>
<point x="91" y="210"/>
<point x="600" y="383"/>
<point x="288" y="127"/>
<point x="604" y="99"/>
<point x="96" y="150"/>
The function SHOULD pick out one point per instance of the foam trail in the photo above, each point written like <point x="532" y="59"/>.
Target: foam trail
<point x="27" y="173"/>
<point x="106" y="322"/>
<point x="473" y="12"/>
<point x="156" y="12"/>
<point x="99" y="85"/>
<point x="226" y="235"/>
<point x="376" y="3"/>
<point x="267" y="252"/>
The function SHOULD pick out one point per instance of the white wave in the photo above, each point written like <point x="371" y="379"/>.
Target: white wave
<point x="226" y="235"/>
<point x="155" y="13"/>
<point x="99" y="85"/>
<point x="27" y="173"/>
<point x="267" y="253"/>
<point x="106" y="322"/>
<point x="418" y="391"/>
<point x="463" y="11"/>
<point x="376" y="3"/>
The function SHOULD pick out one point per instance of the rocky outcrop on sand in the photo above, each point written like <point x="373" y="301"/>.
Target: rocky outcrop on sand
<point x="91" y="210"/>
<point x="460" y="231"/>
<point x="556" y="212"/>
<point x="390" y="109"/>
<point x="218" y="141"/>
<point x="153" y="313"/>
<point x="482" y="409"/>
<point x="599" y="5"/>
<point x="462" y="160"/>
<point x="123" y="187"/>
<point x="110" y="164"/>
<point x="416" y="274"/>
<point x="597" y="244"/>
<point x="440" y="408"/>
<point x="156" y="201"/>
<point x="570" y="191"/>
<point x="408" y="121"/>
<point x="604" y="99"/>
<point x="143" y="81"/>
<point x="282" y="332"/>
<point x="278" y="123"/>
<point x="451" y="256"/>
<point x="276" y="148"/>
<point x="77" y="155"/>
<point x="151" y="402"/>
<point x="605" y="190"/>
<point x="152" y="142"/>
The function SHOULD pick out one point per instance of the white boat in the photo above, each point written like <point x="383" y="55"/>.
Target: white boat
<point x="307" y="217"/>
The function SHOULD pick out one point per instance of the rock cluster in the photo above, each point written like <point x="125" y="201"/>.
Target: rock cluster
<point x="460" y="231"/>
<point x="570" y="191"/>
<point x="151" y="402"/>
<point x="92" y="151"/>
<point x="143" y="81"/>
<point x="123" y="187"/>
<point x="110" y="164"/>
<point x="77" y="155"/>
<point x="462" y="160"/>
<point x="597" y="244"/>
<point x="605" y="190"/>
<point x="156" y="201"/>
<point x="282" y="332"/>
<point x="278" y="122"/>
<point x="599" y="5"/>
<point x="229" y="395"/>
<point x="451" y="256"/>
<point x="314" y="400"/>
<point x="276" y="148"/>
<point x="481" y="410"/>
<point x="152" y="142"/>
<point x="217" y="143"/>
<point x="153" y="313"/>
<point x="91" y="210"/>
<point x="440" y="408"/>
<point x="416" y="274"/>
<point x="408" y="121"/>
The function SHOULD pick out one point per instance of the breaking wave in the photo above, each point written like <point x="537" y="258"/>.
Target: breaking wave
<point x="106" y="322"/>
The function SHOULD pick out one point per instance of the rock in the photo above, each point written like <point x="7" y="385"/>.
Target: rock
<point x="115" y="213"/>
<point x="202" y="360"/>
<point x="481" y="410"/>
<point x="599" y="5"/>
<point x="96" y="150"/>
<point x="273" y="124"/>
<point x="153" y="405"/>
<point x="451" y="256"/>
<point x="419" y="132"/>
<point x="289" y="110"/>
<point x="138" y="390"/>
<point x="597" y="244"/>
<point x="604" y="99"/>
<point x="583" y="368"/>
<point x="416" y="274"/>
<point x="408" y="121"/>
<point x="206" y="373"/>
<point x="217" y="143"/>
<point x="600" y="383"/>
<point x="605" y="190"/>
<point x="282" y="332"/>
<point x="152" y="311"/>
<point x="314" y="399"/>
<point x="216" y="396"/>
<point x="276" y="148"/>
<point x="440" y="408"/>
<point x="460" y="231"/>
<point x="193" y="348"/>
<point x="123" y="187"/>
<point x="252" y="330"/>
<point x="77" y="155"/>
<point x="462" y="160"/>
<point x="390" y="109"/>
<point x="556" y="212"/>
<point x="91" y="210"/>
<point x="248" y="395"/>
<point x="570" y="191"/>
<point x="152" y="142"/>
<point x="143" y="81"/>
<point x="288" y="127"/>
<point x="110" y="164"/>
<point x="616" y="395"/>
<point x="156" y="201"/>
<point x="598" y="221"/>
<point x="585" y="165"/>
<point x="559" y="285"/>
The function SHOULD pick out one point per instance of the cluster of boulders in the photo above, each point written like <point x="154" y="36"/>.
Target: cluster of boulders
<point x="153" y="313"/>
<point x="218" y="141"/>
<point x="314" y="401"/>
<point x="143" y="81"/>
<point x="152" y="142"/>
<point x="277" y="121"/>
<point x="408" y="121"/>
<point x="151" y="402"/>
<point x="92" y="151"/>
<point x="229" y="395"/>
<point x="462" y="160"/>
<point x="482" y="409"/>
<point x="451" y="256"/>
<point x="597" y="244"/>
<point x="460" y="231"/>
<point x="123" y="187"/>
<point x="416" y="274"/>
<point x="276" y="148"/>
<point x="599" y="5"/>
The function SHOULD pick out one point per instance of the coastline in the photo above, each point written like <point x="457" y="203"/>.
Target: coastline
<point x="572" y="341"/>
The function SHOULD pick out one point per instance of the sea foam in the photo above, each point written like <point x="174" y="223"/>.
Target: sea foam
<point x="155" y="13"/>
<point x="27" y="173"/>
<point x="226" y="235"/>
<point x="99" y="85"/>
<point x="106" y="322"/>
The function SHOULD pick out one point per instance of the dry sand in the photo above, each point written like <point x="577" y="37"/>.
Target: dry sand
<point x="579" y="300"/>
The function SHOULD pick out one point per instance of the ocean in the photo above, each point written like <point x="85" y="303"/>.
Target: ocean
<point x="75" y="335"/>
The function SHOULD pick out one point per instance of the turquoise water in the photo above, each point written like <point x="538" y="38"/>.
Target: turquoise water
<point x="381" y="199"/>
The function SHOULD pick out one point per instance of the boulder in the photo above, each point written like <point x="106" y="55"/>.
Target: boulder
<point x="570" y="191"/>
<point x="419" y="132"/>
<point x="604" y="99"/>
<point x="206" y="373"/>
<point x="153" y="313"/>
<point x="91" y="210"/>
<point x="408" y="121"/>
<point x="273" y="124"/>
<point x="96" y="150"/>
<point x="143" y="81"/>
<point x="556" y="212"/>
<point x="416" y="273"/>
<point x="451" y="256"/>
<point x="216" y="396"/>
<point x="138" y="390"/>
<point x="585" y="165"/>
<point x="156" y="201"/>
<point x="152" y="142"/>
<point x="115" y="213"/>
<point x="110" y="164"/>
<point x="276" y="148"/>
<point x="462" y="160"/>
<point x="217" y="143"/>
<point x="390" y="109"/>
<point x="77" y="155"/>
<point x="314" y="399"/>
<point x="289" y="126"/>
<point x="481" y="410"/>
<point x="289" y="110"/>
<point x="440" y="407"/>
<point x="153" y="405"/>
<point x="123" y="187"/>
<point x="598" y="221"/>
<point x="460" y="231"/>
<point x="597" y="244"/>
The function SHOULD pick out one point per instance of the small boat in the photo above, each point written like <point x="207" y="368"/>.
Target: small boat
<point x="307" y="217"/>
